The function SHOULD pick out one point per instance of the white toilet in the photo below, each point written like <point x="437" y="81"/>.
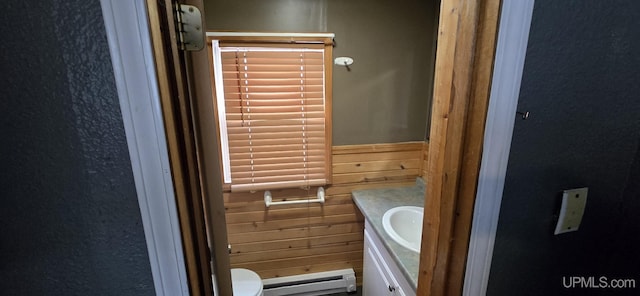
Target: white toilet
<point x="245" y="282"/>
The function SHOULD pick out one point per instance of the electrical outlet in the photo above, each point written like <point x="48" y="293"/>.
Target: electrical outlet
<point x="573" y="204"/>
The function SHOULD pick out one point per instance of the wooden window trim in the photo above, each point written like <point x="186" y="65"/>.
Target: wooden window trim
<point x="327" y="41"/>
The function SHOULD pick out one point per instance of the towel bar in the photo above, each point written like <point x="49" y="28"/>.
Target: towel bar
<point x="268" y="200"/>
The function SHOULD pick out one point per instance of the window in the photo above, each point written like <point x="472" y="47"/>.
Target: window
<point x="273" y="101"/>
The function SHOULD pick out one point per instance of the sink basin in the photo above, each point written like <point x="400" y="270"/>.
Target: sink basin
<point x="404" y="225"/>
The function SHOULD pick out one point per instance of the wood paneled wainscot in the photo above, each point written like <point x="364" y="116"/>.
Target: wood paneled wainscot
<point x="297" y="239"/>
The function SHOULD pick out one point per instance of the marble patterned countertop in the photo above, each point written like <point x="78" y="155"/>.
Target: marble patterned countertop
<point x="373" y="203"/>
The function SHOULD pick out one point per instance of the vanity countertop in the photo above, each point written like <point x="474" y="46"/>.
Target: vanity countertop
<point x="373" y="203"/>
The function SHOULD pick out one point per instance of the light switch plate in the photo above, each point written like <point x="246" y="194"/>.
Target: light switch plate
<point x="573" y="204"/>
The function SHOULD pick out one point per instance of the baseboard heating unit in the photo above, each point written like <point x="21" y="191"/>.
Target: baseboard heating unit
<point x="320" y="283"/>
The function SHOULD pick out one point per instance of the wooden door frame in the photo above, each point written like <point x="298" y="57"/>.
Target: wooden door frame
<point x="464" y="61"/>
<point x="196" y="175"/>
<point x="465" y="53"/>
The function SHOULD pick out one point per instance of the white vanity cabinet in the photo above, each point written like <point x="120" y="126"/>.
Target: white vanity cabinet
<point x="381" y="274"/>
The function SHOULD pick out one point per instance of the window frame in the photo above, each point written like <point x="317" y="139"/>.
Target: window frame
<point x="275" y="40"/>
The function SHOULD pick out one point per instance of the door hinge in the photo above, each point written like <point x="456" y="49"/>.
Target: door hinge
<point x="190" y="32"/>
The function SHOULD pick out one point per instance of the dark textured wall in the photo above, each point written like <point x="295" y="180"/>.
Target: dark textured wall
<point x="386" y="97"/>
<point x="581" y="85"/>
<point x="70" y="222"/>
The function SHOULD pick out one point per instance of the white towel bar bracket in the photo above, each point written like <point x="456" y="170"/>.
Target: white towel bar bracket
<point x="268" y="200"/>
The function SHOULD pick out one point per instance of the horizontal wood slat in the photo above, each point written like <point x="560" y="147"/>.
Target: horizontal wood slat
<point x="299" y="232"/>
<point x="306" y="238"/>
<point x="241" y="52"/>
<point x="371" y="148"/>
<point x="258" y="266"/>
<point x="376" y="166"/>
<point x="257" y="134"/>
<point x="315" y="210"/>
<point x="376" y="156"/>
<point x="296" y="252"/>
<point x="375" y="176"/>
<point x="274" y="74"/>
<point x="293" y="116"/>
<point x="285" y="225"/>
<point x="281" y="174"/>
<point x="285" y="244"/>
<point x="266" y="98"/>
<point x="347" y="188"/>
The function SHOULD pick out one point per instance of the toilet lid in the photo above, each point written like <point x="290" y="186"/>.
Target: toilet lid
<point x="245" y="282"/>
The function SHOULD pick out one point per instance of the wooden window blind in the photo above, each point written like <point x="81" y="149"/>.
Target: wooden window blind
<point x="272" y="114"/>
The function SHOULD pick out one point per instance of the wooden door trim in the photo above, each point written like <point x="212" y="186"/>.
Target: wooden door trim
<point x="196" y="197"/>
<point x="464" y="63"/>
<point x="180" y="145"/>
<point x="202" y="102"/>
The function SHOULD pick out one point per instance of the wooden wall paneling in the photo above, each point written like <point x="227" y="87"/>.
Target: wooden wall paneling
<point x="373" y="166"/>
<point x="304" y="238"/>
<point x="347" y="188"/>
<point x="296" y="252"/>
<point x="373" y="156"/>
<point x="401" y="174"/>
<point x="272" y="214"/>
<point x="385" y="162"/>
<point x="283" y="244"/>
<point x="297" y="232"/>
<point x="371" y="148"/>
<point x="266" y="225"/>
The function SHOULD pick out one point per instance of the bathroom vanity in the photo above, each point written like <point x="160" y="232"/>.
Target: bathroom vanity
<point x="381" y="275"/>
<point x="389" y="268"/>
